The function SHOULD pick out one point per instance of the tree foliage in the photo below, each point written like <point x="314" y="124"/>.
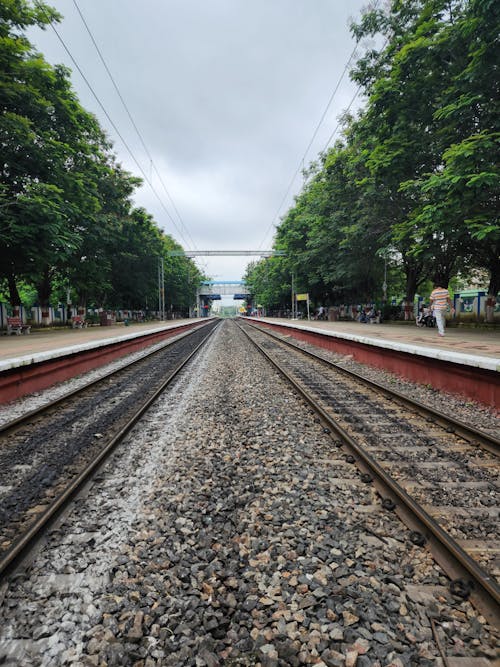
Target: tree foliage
<point x="411" y="192"/>
<point x="66" y="214"/>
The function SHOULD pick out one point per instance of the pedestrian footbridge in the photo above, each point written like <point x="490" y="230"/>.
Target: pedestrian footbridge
<point x="215" y="290"/>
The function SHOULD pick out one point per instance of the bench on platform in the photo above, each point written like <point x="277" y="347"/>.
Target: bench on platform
<point x="77" y="322"/>
<point x="15" y="326"/>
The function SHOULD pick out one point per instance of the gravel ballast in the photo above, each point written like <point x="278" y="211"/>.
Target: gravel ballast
<point x="228" y="530"/>
<point x="469" y="412"/>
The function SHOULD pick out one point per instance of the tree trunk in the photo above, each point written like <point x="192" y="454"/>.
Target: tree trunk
<point x="493" y="290"/>
<point x="82" y="304"/>
<point x="412" y="280"/>
<point x="494" y="286"/>
<point x="15" y="299"/>
<point x="489" y="310"/>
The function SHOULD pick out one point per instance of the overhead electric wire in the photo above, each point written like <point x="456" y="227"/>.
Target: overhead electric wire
<point x="302" y="161"/>
<point x="348" y="108"/>
<point x="328" y="105"/>
<point x="133" y="122"/>
<point x="112" y="122"/>
<point x="341" y="120"/>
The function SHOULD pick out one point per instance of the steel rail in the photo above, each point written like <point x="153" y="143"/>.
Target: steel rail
<point x="464" y="572"/>
<point x="473" y="435"/>
<point x="14" y="555"/>
<point x="19" y="421"/>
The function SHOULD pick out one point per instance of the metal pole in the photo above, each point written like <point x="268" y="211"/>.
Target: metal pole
<point x="159" y="289"/>
<point x="293" y="298"/>
<point x="162" y="290"/>
<point x="384" y="286"/>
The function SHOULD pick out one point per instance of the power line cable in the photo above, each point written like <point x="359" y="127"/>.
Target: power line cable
<point x="302" y="161"/>
<point x="111" y="121"/>
<point x="348" y="108"/>
<point x="341" y="120"/>
<point x="328" y="104"/>
<point x="151" y="161"/>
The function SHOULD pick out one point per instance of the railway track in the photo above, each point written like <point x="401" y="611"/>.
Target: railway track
<point x="47" y="455"/>
<point x="439" y="475"/>
<point x="229" y="530"/>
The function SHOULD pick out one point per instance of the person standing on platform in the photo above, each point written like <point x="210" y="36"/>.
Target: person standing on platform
<point x="439" y="302"/>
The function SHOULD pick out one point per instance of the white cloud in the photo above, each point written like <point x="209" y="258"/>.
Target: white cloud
<point x="226" y="94"/>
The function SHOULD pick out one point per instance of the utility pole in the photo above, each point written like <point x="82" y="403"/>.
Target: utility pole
<point x="161" y="288"/>
<point x="293" y="297"/>
<point x="384" y="286"/>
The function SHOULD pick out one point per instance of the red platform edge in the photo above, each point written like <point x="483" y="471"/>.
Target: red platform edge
<point x="18" y="382"/>
<point x="478" y="384"/>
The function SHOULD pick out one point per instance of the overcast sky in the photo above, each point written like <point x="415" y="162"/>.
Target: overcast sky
<point x="226" y="94"/>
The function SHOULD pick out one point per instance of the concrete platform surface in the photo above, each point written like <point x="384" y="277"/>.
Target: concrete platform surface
<point x="473" y="347"/>
<point x="465" y="361"/>
<point x="42" y="344"/>
<point x="473" y="343"/>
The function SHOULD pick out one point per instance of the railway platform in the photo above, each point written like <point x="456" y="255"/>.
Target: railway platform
<point x="475" y="343"/>
<point x="56" y="340"/>
<point x="465" y="361"/>
<point x="45" y="356"/>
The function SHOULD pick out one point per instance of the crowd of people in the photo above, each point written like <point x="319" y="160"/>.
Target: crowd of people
<point x="369" y="315"/>
<point x="365" y="314"/>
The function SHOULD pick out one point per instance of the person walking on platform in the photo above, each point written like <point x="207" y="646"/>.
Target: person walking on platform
<point x="439" y="302"/>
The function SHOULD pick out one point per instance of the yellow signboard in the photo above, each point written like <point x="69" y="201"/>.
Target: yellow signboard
<point x="302" y="297"/>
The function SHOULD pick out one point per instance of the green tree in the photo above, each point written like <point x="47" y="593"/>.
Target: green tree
<point x="415" y="179"/>
<point x="89" y="268"/>
<point x="461" y="197"/>
<point x="49" y="148"/>
<point x="22" y="105"/>
<point x="404" y="82"/>
<point x="432" y="115"/>
<point x="270" y="283"/>
<point x="66" y="219"/>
